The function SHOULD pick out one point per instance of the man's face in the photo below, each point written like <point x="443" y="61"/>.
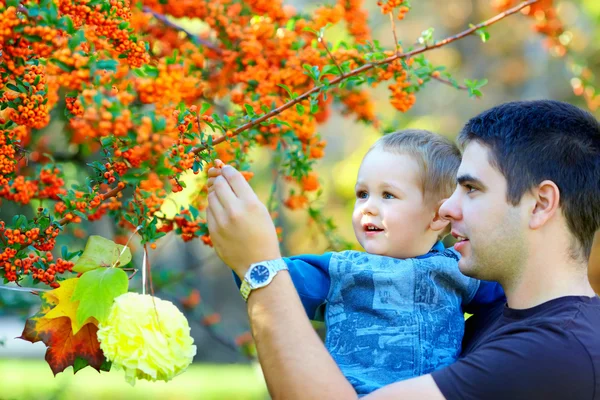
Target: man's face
<point x="491" y="232"/>
<point x="390" y="217"/>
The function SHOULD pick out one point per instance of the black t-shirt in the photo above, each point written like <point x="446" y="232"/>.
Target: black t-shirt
<point x="551" y="351"/>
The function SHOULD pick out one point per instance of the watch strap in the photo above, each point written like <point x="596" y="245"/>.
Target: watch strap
<point x="274" y="267"/>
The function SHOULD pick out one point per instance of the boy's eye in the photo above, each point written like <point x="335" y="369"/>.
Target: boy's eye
<point x="361" y="194"/>
<point x="387" y="195"/>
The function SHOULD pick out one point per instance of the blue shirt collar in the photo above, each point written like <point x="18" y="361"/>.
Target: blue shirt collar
<point x="437" y="247"/>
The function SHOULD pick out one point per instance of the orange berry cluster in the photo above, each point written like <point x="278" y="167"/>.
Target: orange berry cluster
<point x="153" y="193"/>
<point x="32" y="111"/>
<point x="296" y="201"/>
<point x="389" y="6"/>
<point x="13" y="267"/>
<point x="356" y="18"/>
<point x="107" y="24"/>
<point x="546" y="20"/>
<point x="7" y="155"/>
<point x="188" y="228"/>
<point x="48" y="185"/>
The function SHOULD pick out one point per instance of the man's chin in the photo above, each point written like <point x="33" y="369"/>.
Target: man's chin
<point x="465" y="266"/>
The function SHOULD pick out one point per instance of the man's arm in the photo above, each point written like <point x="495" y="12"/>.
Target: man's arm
<point x="295" y="362"/>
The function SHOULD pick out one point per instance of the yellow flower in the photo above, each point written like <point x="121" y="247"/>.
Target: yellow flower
<point x="147" y="337"/>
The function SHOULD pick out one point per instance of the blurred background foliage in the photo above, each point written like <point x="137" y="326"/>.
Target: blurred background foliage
<point x="518" y="66"/>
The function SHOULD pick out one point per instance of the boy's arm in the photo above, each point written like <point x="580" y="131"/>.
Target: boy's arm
<point x="488" y="294"/>
<point x="310" y="275"/>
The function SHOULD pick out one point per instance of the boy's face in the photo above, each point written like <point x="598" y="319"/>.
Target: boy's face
<point x="491" y="232"/>
<point x="390" y="217"/>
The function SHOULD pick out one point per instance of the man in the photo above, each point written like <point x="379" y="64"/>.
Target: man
<point x="525" y="211"/>
<point x="594" y="266"/>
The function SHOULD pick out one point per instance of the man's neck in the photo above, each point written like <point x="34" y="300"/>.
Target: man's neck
<point x="543" y="280"/>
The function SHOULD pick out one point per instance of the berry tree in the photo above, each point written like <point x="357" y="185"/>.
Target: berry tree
<point x="142" y="100"/>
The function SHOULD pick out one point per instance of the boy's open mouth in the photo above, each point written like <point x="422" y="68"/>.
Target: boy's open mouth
<point x="372" y="228"/>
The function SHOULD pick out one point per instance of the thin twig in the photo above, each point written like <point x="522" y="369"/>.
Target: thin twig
<point x="195" y="38"/>
<point x="113" y="192"/>
<point x="320" y="39"/>
<point x="394" y="32"/>
<point x="135" y="271"/>
<point x="447" y="82"/>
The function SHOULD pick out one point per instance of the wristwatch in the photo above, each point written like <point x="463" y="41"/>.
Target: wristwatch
<point x="260" y="274"/>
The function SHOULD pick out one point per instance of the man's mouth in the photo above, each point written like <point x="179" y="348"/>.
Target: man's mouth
<point x="459" y="237"/>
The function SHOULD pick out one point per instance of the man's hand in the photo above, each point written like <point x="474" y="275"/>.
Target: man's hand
<point x="240" y="227"/>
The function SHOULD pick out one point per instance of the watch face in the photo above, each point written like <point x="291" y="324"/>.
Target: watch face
<point x="259" y="274"/>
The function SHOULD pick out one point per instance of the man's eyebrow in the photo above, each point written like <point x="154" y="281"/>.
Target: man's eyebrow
<point x="466" y="178"/>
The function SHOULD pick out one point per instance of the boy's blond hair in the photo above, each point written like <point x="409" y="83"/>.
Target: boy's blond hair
<point x="437" y="156"/>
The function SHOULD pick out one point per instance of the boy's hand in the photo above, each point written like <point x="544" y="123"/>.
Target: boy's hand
<point x="240" y="226"/>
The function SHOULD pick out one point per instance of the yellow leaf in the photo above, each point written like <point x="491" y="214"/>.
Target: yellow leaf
<point x="66" y="307"/>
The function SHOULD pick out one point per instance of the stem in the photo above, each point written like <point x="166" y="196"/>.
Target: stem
<point x="394" y="32"/>
<point x="331" y="56"/>
<point x="447" y="82"/>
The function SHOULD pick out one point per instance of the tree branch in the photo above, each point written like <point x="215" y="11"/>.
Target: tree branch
<point x="113" y="192"/>
<point x="368" y="67"/>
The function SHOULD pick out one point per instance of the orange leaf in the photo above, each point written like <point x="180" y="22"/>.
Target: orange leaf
<point x="64" y="346"/>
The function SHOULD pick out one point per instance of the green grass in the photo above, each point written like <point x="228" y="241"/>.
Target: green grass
<point x="32" y="379"/>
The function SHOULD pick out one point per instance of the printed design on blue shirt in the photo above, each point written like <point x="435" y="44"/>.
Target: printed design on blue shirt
<point x="390" y="319"/>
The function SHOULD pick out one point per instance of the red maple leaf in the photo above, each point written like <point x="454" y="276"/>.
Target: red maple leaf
<point x="64" y="348"/>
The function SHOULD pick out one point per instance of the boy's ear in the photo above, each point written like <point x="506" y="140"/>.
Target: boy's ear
<point x="438" y="223"/>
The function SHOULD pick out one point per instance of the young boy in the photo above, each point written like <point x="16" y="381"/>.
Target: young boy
<point x="396" y="310"/>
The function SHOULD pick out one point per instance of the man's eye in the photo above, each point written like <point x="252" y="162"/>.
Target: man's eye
<point x="470" y="189"/>
<point x="387" y="195"/>
<point x="361" y="194"/>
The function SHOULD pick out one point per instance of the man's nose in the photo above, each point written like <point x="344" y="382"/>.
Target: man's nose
<point x="451" y="209"/>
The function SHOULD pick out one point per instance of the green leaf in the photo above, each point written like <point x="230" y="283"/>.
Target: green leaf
<point x="300" y="109"/>
<point x="288" y="90"/>
<point x="250" y="110"/>
<point x="204" y="108"/>
<point x="101" y="252"/>
<point x="110" y="65"/>
<point x="62" y="65"/>
<point x="69" y="24"/>
<point x="96" y="291"/>
<point x="331" y="69"/>
<point x="80" y="363"/>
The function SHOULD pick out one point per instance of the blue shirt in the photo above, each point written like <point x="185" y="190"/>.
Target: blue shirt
<point x="389" y="319"/>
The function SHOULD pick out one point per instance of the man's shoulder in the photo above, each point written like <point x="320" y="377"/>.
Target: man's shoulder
<point x="542" y="352"/>
<point x="566" y="317"/>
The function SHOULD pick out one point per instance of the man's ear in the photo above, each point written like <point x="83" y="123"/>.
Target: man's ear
<point x="547" y="204"/>
<point x="438" y="223"/>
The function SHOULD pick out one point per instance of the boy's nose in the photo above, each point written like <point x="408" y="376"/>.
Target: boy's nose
<point x="451" y="208"/>
<point x="370" y="208"/>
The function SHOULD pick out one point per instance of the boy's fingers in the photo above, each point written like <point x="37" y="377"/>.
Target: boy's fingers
<point x="213" y="172"/>
<point x="238" y="183"/>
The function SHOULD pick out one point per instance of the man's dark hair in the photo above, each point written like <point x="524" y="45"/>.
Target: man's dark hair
<point x="531" y="141"/>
